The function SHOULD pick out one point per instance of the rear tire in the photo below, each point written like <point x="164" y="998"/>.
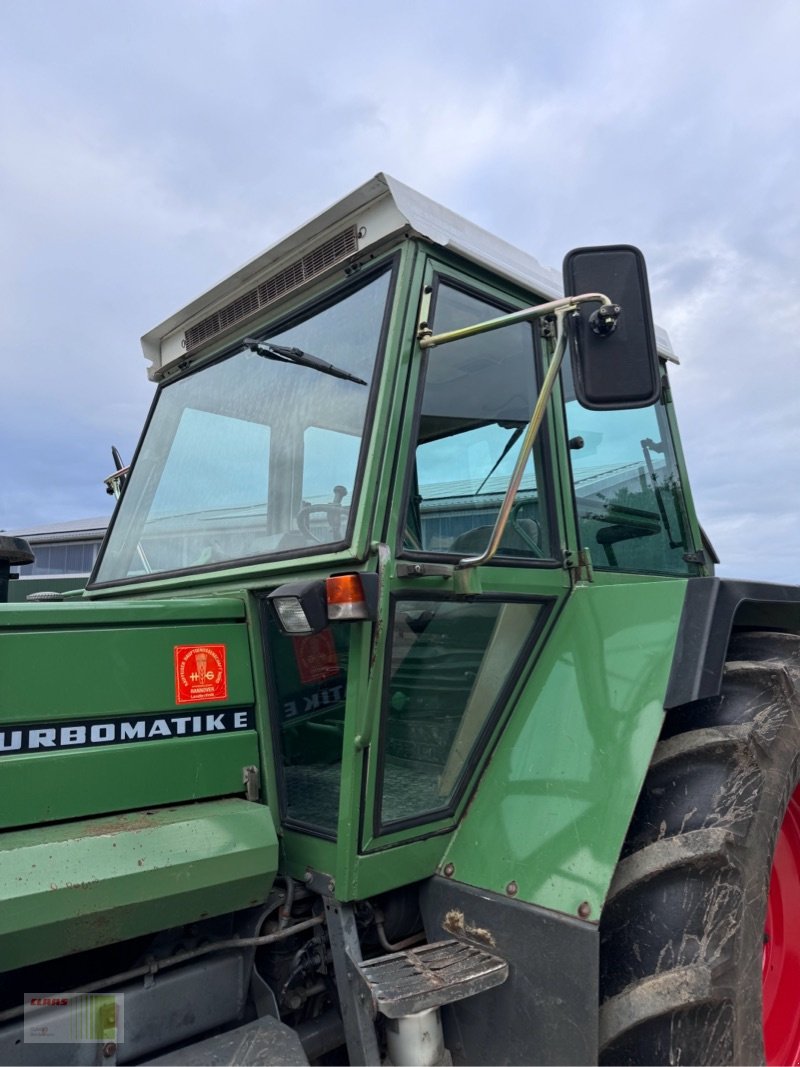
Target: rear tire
<point x="683" y="929"/>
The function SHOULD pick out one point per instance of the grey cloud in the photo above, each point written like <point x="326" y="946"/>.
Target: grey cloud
<point x="151" y="148"/>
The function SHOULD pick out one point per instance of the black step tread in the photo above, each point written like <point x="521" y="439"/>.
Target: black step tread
<point x="428" y="976"/>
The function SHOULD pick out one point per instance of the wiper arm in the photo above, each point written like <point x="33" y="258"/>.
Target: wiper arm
<point x="296" y="355"/>
<point x="509" y="445"/>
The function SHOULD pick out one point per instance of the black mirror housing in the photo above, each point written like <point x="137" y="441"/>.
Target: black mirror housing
<point x="614" y="357"/>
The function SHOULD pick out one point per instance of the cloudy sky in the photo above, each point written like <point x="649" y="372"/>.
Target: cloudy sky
<point x="149" y="147"/>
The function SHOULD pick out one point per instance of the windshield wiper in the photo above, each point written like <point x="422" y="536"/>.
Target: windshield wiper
<point x="509" y="445"/>
<point x="296" y="355"/>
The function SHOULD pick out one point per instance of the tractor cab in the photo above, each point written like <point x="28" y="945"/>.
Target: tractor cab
<point x="371" y="434"/>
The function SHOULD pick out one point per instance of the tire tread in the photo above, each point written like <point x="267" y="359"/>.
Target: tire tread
<point x="680" y="932"/>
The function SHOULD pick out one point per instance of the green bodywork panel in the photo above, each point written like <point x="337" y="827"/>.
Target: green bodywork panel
<point x="553" y="806"/>
<point x="79" y="885"/>
<point x="128" y="612"/>
<point x="105" y="664"/>
<point x="42" y="788"/>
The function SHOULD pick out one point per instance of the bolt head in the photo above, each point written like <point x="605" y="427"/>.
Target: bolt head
<point x="584" y="909"/>
<point x="512" y="889"/>
<point x="448" y="870"/>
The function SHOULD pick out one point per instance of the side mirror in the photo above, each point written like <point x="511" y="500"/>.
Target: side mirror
<point x="614" y="363"/>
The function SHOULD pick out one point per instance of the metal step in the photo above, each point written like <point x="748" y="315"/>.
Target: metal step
<point x="429" y="976"/>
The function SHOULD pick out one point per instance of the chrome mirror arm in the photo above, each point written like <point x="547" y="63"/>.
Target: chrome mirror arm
<point x="428" y="339"/>
<point x="559" y="309"/>
<point x="526" y="446"/>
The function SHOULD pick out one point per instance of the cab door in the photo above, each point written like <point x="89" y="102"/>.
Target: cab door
<point x="456" y="646"/>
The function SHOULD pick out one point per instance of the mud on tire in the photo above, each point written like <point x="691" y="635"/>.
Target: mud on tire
<point x="683" y="928"/>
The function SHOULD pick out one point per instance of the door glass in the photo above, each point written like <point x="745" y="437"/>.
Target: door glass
<point x="478" y="398"/>
<point x="452" y="666"/>
<point x="309" y="682"/>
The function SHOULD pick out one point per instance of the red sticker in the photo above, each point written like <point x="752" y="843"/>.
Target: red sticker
<point x="316" y="657"/>
<point x="200" y="673"/>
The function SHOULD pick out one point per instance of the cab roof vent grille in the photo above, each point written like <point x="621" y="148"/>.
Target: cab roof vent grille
<point x="292" y="277"/>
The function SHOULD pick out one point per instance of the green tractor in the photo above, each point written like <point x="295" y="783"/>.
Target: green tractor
<point x="403" y="719"/>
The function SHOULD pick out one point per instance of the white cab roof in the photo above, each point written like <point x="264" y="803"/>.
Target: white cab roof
<point x="372" y="213"/>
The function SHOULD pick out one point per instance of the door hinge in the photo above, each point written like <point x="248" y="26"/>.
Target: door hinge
<point x="698" y="557"/>
<point x="547" y="327"/>
<point x="578" y="564"/>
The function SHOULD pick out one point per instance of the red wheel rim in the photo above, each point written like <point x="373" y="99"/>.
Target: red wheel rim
<point x="780" y="968"/>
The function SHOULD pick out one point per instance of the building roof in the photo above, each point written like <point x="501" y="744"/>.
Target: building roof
<point x="71" y="530"/>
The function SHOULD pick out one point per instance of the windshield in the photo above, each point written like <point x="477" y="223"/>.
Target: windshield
<point x="253" y="456"/>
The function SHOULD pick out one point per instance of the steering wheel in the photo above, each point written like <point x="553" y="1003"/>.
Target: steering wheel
<point x="334" y="514"/>
<point x="529" y="530"/>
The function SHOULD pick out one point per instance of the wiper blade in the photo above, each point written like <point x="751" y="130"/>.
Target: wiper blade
<point x="296" y="355"/>
<point x="509" y="445"/>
